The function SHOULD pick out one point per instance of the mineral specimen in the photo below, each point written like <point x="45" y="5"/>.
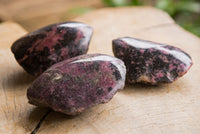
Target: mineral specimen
<point x="73" y="85"/>
<point x="40" y="49"/>
<point x="150" y="62"/>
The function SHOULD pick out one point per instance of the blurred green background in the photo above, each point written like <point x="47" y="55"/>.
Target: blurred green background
<point x="185" y="12"/>
<point x="38" y="13"/>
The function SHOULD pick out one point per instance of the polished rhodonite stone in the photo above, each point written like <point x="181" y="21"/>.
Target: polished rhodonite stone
<point x="150" y="62"/>
<point x="40" y="49"/>
<point x="73" y="85"/>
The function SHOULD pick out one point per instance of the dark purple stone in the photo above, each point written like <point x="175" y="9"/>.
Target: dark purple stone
<point x="150" y="62"/>
<point x="73" y="85"/>
<point x="40" y="49"/>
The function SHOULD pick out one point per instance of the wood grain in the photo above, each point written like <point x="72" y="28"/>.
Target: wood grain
<point x="37" y="13"/>
<point x="138" y="109"/>
<point x="16" y="115"/>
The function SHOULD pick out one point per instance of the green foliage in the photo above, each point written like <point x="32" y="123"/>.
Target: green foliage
<point x="172" y="7"/>
<point x="167" y="5"/>
<point x="190" y="6"/>
<point x="79" y="10"/>
<point x="117" y="3"/>
<point x="192" y="28"/>
<point x="185" y="12"/>
<point x="190" y="22"/>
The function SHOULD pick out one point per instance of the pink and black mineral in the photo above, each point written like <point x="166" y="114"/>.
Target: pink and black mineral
<point x="40" y="49"/>
<point x="73" y="85"/>
<point x="150" y="62"/>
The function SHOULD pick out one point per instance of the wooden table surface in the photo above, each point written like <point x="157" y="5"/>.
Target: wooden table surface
<point x="33" y="14"/>
<point x="138" y="109"/>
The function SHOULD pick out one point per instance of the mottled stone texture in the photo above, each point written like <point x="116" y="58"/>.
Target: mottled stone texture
<point x="38" y="50"/>
<point x="150" y="62"/>
<point x="73" y="85"/>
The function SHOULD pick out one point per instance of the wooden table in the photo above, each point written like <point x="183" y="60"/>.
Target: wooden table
<point x="138" y="109"/>
<point x="33" y="14"/>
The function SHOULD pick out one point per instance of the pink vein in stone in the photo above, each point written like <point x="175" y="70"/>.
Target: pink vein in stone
<point x="50" y="41"/>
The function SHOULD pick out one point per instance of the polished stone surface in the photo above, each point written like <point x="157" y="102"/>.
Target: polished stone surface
<point x="150" y="62"/>
<point x="40" y="49"/>
<point x="73" y="85"/>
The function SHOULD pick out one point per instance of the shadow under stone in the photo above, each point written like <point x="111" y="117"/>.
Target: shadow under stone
<point x="17" y="79"/>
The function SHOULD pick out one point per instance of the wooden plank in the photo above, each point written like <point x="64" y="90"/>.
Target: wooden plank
<point x="166" y="109"/>
<point x="138" y="109"/>
<point x="37" y="13"/>
<point x="9" y="32"/>
<point x="16" y="115"/>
